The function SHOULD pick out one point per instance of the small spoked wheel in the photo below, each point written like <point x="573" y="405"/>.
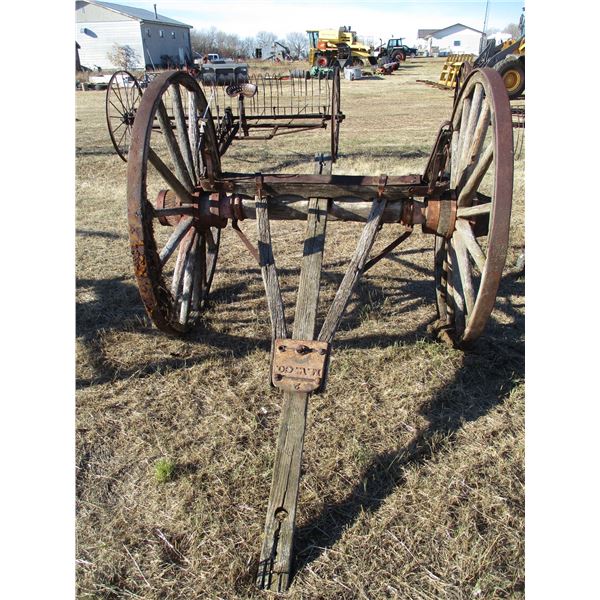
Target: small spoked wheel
<point x="173" y="156"/>
<point x="469" y="263"/>
<point x="123" y="97"/>
<point x="335" y="114"/>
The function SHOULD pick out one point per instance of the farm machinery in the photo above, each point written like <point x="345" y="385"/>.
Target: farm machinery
<point x="328" y="47"/>
<point x="240" y="107"/>
<point x="179" y="199"/>
<point x="394" y="51"/>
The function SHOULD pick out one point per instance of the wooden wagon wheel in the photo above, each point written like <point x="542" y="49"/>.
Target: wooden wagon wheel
<point x="174" y="253"/>
<point x="121" y="107"/>
<point x="469" y="263"/>
<point x="335" y="112"/>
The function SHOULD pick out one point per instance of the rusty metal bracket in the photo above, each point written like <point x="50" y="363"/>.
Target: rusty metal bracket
<point x="251" y="248"/>
<point x="299" y="365"/>
<point x="381" y="186"/>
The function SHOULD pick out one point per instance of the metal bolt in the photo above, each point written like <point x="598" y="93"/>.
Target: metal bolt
<point x="302" y="349"/>
<point x="281" y="348"/>
<point x="278" y="377"/>
<point x="322" y="351"/>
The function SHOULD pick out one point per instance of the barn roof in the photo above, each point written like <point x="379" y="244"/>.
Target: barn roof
<point x="423" y="33"/>
<point x="437" y="33"/>
<point x="139" y="13"/>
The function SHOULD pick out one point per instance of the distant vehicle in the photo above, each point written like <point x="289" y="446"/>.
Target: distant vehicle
<point x="394" y="51"/>
<point x="211" y="58"/>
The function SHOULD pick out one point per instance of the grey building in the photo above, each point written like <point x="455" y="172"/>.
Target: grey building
<point x="158" y="41"/>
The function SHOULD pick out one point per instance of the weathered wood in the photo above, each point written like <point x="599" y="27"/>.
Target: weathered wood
<point x="275" y="567"/>
<point x="466" y="194"/>
<point x="269" y="271"/>
<point x="182" y="131"/>
<point x="363" y="188"/>
<point x="457" y="292"/>
<point x="180" y="263"/>
<point x="466" y="279"/>
<point x="354" y="271"/>
<point x="470" y="128"/>
<point x="188" y="279"/>
<point x="463" y="229"/>
<point x="290" y="208"/>
<point x="176" y="237"/>
<point x="180" y="190"/>
<point x="173" y="147"/>
<point x="472" y="211"/>
<point x="193" y="132"/>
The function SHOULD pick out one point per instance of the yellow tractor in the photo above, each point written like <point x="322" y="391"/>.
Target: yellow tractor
<point x="330" y="45"/>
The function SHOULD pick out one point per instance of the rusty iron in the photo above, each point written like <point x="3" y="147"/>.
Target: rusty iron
<point x="299" y="365"/>
<point x="440" y="214"/>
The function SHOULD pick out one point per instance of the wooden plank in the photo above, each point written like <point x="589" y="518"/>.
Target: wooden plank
<point x="359" y="187"/>
<point x="340" y="209"/>
<point x="275" y="566"/>
<point x="269" y="271"/>
<point x="353" y="273"/>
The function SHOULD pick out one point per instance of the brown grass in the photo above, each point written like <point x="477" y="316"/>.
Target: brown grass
<point x="413" y="462"/>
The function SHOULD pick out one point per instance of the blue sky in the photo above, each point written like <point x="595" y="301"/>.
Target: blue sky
<point x="375" y="18"/>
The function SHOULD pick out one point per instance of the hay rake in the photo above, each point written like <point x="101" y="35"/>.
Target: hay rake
<point x="272" y="105"/>
<point x="179" y="199"/>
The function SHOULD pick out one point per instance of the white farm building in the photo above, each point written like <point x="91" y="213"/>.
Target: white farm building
<point x="158" y="41"/>
<point x="455" y="39"/>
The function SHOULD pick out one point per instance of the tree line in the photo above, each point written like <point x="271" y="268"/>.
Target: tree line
<point x="231" y="45"/>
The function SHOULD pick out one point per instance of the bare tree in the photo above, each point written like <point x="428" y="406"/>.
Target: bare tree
<point x="265" y="39"/>
<point x="298" y="43"/>
<point x="513" y="29"/>
<point x="124" y="57"/>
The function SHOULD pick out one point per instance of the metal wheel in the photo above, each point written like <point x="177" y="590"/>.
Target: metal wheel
<point x="173" y="156"/>
<point x="468" y="264"/>
<point x="123" y="97"/>
<point x="335" y="112"/>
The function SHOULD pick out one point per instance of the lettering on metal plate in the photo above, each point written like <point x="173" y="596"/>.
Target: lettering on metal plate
<point x="299" y="365"/>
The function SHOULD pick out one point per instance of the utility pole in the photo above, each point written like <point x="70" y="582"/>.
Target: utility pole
<point x="485" y="20"/>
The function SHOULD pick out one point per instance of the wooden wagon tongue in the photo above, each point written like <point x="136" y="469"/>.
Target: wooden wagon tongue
<point x="299" y="365"/>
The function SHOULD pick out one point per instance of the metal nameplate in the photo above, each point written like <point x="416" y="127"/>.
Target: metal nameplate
<point x="299" y="365"/>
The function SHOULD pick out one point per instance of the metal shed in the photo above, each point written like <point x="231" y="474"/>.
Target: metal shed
<point x="158" y="41"/>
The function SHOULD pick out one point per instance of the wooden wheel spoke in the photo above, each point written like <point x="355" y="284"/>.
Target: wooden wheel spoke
<point x="462" y="132"/>
<point x="179" y="264"/>
<point x="473" y="154"/>
<point x="182" y="130"/>
<point x="170" y="178"/>
<point x="454" y="158"/>
<point x="199" y="283"/>
<point x="188" y="279"/>
<point x="464" y="231"/>
<point x="470" y="125"/>
<point x="173" y="147"/>
<point x="469" y="189"/>
<point x="457" y="291"/>
<point x="193" y="133"/>
<point x="473" y="211"/>
<point x="178" y="234"/>
<point x="464" y="269"/>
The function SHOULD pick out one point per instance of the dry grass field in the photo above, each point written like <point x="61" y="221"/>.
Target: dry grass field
<point x="413" y="478"/>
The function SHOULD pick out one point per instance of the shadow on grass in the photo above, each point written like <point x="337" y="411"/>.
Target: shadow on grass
<point x="492" y="368"/>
